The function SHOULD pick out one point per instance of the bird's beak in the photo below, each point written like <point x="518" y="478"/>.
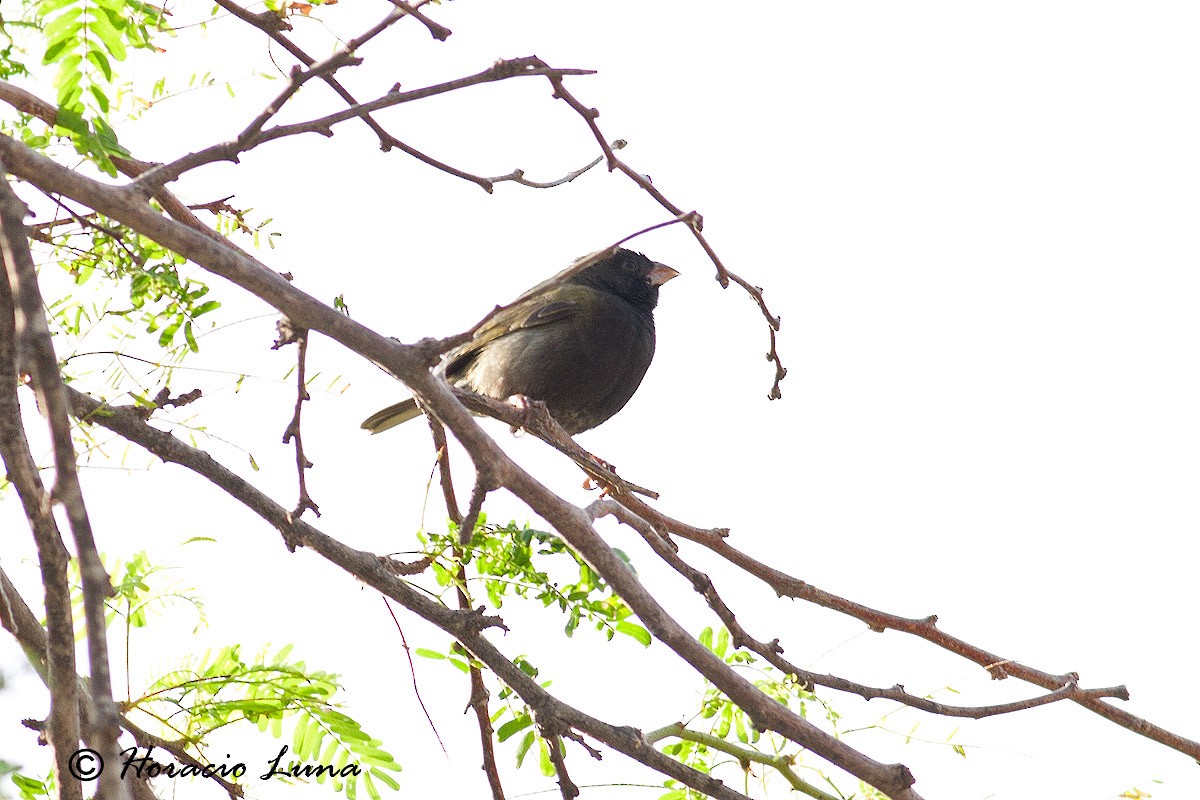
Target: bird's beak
<point x="660" y="274"/>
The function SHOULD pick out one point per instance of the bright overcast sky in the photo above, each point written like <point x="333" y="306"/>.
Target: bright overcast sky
<point x="977" y="222"/>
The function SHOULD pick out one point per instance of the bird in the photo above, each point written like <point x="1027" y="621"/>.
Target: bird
<point x="580" y="342"/>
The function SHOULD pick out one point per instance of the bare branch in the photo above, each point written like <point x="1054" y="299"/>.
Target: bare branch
<point x="554" y="745"/>
<point x="518" y="175"/>
<point x="439" y="32"/>
<point x="773" y="651"/>
<point x="412" y="669"/>
<point x="724" y="276"/>
<point x="52" y="557"/>
<point x="290" y="335"/>
<point x="443" y="466"/>
<point x="478" y="701"/>
<point x="483" y="485"/>
<point x="31" y="335"/>
<point x="787" y="586"/>
<point x="160" y="175"/>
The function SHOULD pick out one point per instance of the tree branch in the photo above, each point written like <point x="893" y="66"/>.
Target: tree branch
<point x="502" y="70"/>
<point x="299" y="337"/>
<point x="31" y="336"/>
<point x="773" y="651"/>
<point x="781" y="764"/>
<point x="787" y="586"/>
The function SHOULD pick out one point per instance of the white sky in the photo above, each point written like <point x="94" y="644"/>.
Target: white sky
<point x="978" y="225"/>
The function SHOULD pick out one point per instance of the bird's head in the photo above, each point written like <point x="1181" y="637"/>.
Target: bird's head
<point x="629" y="275"/>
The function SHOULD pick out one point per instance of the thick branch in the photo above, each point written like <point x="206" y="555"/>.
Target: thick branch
<point x="31" y="334"/>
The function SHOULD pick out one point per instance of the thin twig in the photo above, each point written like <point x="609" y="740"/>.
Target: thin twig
<point x="412" y="669"/>
<point x="443" y="465"/>
<point x="723" y="276"/>
<point x="531" y="66"/>
<point x="289" y="334"/>
<point x="782" y="764"/>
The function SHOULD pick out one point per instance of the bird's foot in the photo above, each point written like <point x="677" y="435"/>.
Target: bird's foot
<point x="589" y="484"/>
<point x="525" y="406"/>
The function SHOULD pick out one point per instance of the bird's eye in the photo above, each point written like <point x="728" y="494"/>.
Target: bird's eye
<point x="629" y="266"/>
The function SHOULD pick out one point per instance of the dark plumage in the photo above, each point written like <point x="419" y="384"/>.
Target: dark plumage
<point x="581" y="346"/>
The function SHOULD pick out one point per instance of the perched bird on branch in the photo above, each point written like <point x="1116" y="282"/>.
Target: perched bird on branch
<point x="580" y="342"/>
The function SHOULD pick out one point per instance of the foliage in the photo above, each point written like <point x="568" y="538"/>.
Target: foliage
<point x="161" y="296"/>
<point x="221" y="688"/>
<point x="519" y="561"/>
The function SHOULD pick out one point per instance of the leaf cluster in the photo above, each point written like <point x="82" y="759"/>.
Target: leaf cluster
<point x="224" y="687"/>
<point x="520" y="561"/>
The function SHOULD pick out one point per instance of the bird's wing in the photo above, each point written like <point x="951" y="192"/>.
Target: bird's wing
<point x="558" y="304"/>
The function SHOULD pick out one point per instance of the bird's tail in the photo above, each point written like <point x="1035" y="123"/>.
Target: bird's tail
<point x="392" y="416"/>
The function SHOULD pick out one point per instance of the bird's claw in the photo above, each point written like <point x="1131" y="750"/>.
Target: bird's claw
<point x="589" y="484"/>
<point x="522" y="403"/>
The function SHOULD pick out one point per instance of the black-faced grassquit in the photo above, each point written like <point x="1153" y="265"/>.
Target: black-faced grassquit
<point x="582" y="346"/>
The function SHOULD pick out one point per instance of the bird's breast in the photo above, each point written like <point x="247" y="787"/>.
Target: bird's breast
<point x="585" y="368"/>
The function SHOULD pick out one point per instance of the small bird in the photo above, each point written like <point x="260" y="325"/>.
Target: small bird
<point x="581" y="346"/>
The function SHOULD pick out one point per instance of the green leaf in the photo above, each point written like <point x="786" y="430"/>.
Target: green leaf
<point x="726" y="719"/>
<point x="302" y="727"/>
<point x="387" y="779"/>
<point x="63" y="27"/>
<point x="547" y="766"/>
<point x="101" y="97"/>
<point x="512" y="726"/>
<point x="108" y="137"/>
<point x="97" y="57"/>
<point x="635" y="631"/>
<point x="204" y="308"/>
<point x="372" y="792"/>
<point x="168" y="334"/>
<point x="425" y="652"/>
<point x="55" y="50"/>
<point x="71" y="121"/>
<point x="722" y="643"/>
<point x="739" y="724"/>
<point x="48" y="7"/>
<point x="104" y="29"/>
<point x="526" y="743"/>
<point x="69" y="74"/>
